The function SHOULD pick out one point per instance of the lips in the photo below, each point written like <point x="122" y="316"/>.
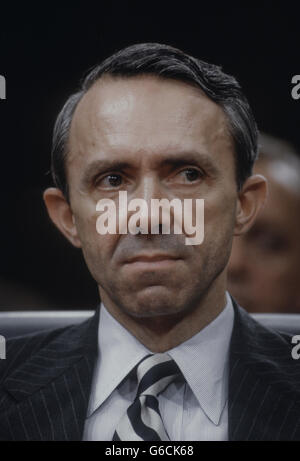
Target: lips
<point x="151" y="258"/>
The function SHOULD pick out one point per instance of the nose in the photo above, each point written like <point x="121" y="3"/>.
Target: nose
<point x="149" y="188"/>
<point x="148" y="220"/>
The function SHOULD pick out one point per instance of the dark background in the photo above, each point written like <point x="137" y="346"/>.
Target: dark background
<point x="44" y="51"/>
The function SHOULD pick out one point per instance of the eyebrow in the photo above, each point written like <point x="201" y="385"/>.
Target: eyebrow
<point x="191" y="157"/>
<point x="175" y="160"/>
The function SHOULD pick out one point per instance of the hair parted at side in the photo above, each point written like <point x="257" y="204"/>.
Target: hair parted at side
<point x="166" y="62"/>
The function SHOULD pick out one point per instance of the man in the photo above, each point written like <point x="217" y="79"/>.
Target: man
<point x="264" y="267"/>
<point x="169" y="355"/>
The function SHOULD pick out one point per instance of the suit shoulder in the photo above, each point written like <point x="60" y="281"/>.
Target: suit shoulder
<point x="21" y="348"/>
<point x="260" y="336"/>
<point x="267" y="352"/>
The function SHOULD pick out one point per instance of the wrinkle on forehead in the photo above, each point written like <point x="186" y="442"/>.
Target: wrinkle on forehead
<point x="145" y="113"/>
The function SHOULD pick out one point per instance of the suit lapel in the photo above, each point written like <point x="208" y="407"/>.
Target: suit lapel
<point x="52" y="388"/>
<point x="50" y="391"/>
<point x="263" y="395"/>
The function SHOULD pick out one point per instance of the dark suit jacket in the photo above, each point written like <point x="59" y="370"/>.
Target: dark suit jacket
<point x="46" y="378"/>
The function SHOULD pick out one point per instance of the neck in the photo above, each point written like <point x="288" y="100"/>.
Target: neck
<point x="164" y="332"/>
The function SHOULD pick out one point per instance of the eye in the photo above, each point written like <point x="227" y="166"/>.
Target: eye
<point x="114" y="180"/>
<point x="271" y="243"/>
<point x="110" y="180"/>
<point x="268" y="241"/>
<point x="192" y="174"/>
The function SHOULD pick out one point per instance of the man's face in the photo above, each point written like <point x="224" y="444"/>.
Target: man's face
<point x="264" y="268"/>
<point x="152" y="138"/>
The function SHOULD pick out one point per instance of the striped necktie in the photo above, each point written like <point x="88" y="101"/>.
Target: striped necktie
<point x="142" y="421"/>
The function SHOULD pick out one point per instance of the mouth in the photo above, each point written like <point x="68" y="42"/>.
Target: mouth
<point x="152" y="257"/>
<point x="152" y="261"/>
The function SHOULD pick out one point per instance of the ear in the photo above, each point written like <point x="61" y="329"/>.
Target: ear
<point x="251" y="200"/>
<point x="61" y="214"/>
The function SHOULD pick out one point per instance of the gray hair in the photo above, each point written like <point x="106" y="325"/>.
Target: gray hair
<point x="283" y="159"/>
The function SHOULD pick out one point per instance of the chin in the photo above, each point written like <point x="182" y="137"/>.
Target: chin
<point x="153" y="302"/>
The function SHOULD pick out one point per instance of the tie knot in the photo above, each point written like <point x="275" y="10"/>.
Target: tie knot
<point x="154" y="373"/>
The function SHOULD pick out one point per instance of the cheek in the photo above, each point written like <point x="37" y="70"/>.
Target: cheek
<point x="274" y="280"/>
<point x="275" y="267"/>
<point x="96" y="248"/>
<point x="219" y="219"/>
<point x="98" y="253"/>
<point x="86" y="227"/>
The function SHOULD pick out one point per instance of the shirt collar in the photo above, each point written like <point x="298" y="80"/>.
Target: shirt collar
<point x="203" y="360"/>
<point x="118" y="353"/>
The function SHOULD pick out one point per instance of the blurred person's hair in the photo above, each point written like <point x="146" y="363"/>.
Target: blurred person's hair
<point x="170" y="63"/>
<point x="284" y="159"/>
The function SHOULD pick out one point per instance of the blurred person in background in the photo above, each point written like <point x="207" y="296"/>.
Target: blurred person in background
<point x="264" y="268"/>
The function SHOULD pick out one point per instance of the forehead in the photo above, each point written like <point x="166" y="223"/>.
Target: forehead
<point x="281" y="174"/>
<point x="145" y="114"/>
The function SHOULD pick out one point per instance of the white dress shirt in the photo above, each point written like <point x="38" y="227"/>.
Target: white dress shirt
<point x="192" y="409"/>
